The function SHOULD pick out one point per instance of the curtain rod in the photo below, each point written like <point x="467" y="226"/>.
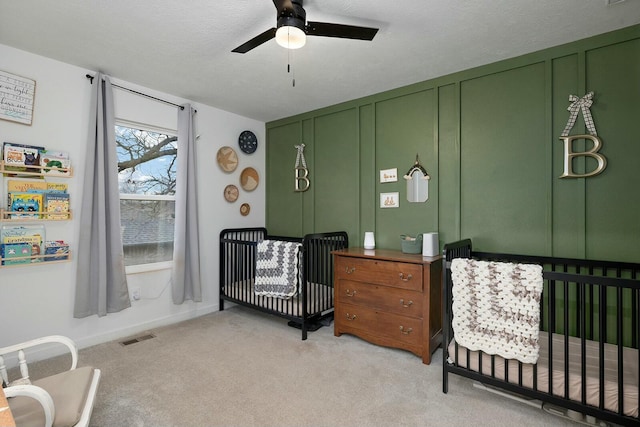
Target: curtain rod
<point x="90" y="77"/>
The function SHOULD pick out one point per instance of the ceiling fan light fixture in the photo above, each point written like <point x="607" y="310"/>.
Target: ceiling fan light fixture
<point x="291" y="37"/>
<point x="292" y="29"/>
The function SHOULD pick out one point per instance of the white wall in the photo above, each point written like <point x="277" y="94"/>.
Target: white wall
<point x="38" y="300"/>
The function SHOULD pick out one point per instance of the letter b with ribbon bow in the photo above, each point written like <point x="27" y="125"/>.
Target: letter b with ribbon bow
<point x="581" y="104"/>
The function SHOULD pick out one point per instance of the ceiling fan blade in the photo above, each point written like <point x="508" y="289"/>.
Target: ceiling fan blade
<point x="256" y="41"/>
<point x="338" y="30"/>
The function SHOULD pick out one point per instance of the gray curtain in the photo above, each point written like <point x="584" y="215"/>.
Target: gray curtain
<point x="185" y="275"/>
<point x="101" y="283"/>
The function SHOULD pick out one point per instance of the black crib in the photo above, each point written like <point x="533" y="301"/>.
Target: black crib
<point x="590" y="330"/>
<point x="309" y="307"/>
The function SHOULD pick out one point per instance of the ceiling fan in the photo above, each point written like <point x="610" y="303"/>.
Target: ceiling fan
<point x="292" y="29"/>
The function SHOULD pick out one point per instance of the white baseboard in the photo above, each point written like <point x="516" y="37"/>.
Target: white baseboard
<point x="145" y="326"/>
<point x="47" y="351"/>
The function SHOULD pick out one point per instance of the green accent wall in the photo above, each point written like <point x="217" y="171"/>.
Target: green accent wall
<point x="489" y="137"/>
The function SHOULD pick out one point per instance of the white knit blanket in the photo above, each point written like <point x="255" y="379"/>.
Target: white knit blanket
<point x="277" y="268"/>
<point x="496" y="307"/>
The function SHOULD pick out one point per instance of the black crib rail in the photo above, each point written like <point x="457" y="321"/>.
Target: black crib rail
<point x="589" y="300"/>
<point x="306" y="309"/>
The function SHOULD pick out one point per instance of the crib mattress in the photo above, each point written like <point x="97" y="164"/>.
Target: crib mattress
<point x="556" y="381"/>
<point x="319" y="298"/>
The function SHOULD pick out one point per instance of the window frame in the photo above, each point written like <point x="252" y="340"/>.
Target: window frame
<point x="153" y="266"/>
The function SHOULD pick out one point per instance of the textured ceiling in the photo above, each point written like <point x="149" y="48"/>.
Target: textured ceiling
<point x="184" y="47"/>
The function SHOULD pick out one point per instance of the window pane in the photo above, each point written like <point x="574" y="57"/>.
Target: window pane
<point x="146" y="168"/>
<point x="146" y="161"/>
<point x="147" y="230"/>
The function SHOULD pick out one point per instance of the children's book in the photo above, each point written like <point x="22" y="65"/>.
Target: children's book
<point x="25" y="185"/>
<point x="55" y="163"/>
<point x="58" y="203"/>
<point x="56" y="187"/>
<point x="25" y="205"/>
<point x="18" y="157"/>
<point x="31" y="234"/>
<point x="56" y="250"/>
<point x="34" y="242"/>
<point x="15" y="253"/>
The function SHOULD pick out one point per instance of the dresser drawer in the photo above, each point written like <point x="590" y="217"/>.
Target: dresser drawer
<point x="399" y="331"/>
<point x="400" y="301"/>
<point x="397" y="274"/>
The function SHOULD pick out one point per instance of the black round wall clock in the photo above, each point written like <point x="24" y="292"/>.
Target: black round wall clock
<point x="248" y="142"/>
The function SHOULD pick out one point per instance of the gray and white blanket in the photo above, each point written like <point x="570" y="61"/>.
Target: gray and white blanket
<point x="496" y="307"/>
<point x="277" y="268"/>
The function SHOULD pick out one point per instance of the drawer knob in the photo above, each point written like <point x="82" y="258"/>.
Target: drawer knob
<point x="407" y="332"/>
<point x="349" y="270"/>
<point x="407" y="304"/>
<point x="351" y="318"/>
<point x="351" y="293"/>
<point x="405" y="278"/>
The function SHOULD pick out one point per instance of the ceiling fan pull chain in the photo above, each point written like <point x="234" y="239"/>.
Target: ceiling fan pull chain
<point x="289" y="67"/>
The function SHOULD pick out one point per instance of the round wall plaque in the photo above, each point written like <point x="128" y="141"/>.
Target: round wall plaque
<point x="227" y="159"/>
<point x="245" y="209"/>
<point x="248" y="142"/>
<point x="249" y="179"/>
<point x="231" y="193"/>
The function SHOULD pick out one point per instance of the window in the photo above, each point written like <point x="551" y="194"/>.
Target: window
<point x="147" y="178"/>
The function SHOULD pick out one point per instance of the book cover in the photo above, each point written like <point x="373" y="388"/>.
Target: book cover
<point x="18" y="157"/>
<point x="55" y="163"/>
<point x="15" y="253"/>
<point x="58" y="203"/>
<point x="25" y="205"/>
<point x="55" y="187"/>
<point x="56" y="250"/>
<point x="35" y="244"/>
<point x="25" y="185"/>
<point x="32" y="234"/>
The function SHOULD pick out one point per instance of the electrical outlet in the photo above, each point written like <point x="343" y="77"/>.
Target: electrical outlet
<point x="135" y="294"/>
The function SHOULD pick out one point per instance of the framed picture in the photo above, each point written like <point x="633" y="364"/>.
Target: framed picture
<point x="390" y="200"/>
<point x="17" y="94"/>
<point x="389" y="175"/>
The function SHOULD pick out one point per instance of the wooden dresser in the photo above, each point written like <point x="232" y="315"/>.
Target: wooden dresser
<point x="389" y="298"/>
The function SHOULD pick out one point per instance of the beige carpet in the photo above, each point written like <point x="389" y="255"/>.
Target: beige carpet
<point x="242" y="368"/>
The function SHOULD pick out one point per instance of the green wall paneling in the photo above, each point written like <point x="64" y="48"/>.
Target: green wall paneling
<point x="368" y="176"/>
<point x="503" y="143"/>
<point x="448" y="164"/>
<point x="308" y="197"/>
<point x="490" y="136"/>
<point x="568" y="194"/>
<point x="284" y="214"/>
<point x="404" y="128"/>
<point x="613" y="197"/>
<point x="336" y="172"/>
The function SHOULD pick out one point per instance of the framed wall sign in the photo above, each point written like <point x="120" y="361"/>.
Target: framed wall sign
<point x="16" y="98"/>
<point x="389" y="200"/>
<point x="389" y="175"/>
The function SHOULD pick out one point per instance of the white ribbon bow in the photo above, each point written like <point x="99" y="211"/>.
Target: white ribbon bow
<point x="578" y="104"/>
<point x="300" y="156"/>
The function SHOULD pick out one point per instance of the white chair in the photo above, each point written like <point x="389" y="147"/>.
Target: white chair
<point x="62" y="400"/>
